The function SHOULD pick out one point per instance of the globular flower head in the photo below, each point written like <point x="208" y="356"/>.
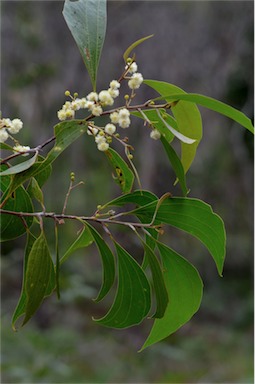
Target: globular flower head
<point x="92" y="96"/>
<point x="105" y="98"/>
<point x="62" y="115"/>
<point x="97" y="110"/>
<point x="92" y="131"/>
<point x="132" y="68"/>
<point x="113" y="92"/>
<point x="21" y="149"/>
<point x="114" y="84"/>
<point x="114" y="117"/>
<point x="110" y="128"/>
<point x="155" y="134"/>
<point x="103" y="146"/>
<point x="135" y="81"/>
<point x="124" y="122"/>
<point x="3" y="135"/>
<point x="100" y="139"/>
<point x="124" y="113"/>
<point x="15" y="126"/>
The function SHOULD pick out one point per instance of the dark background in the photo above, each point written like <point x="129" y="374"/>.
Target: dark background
<point x="203" y="47"/>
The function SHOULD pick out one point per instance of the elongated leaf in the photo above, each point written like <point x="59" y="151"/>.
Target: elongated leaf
<point x="176" y="164"/>
<point x="187" y="117"/>
<point x="40" y="276"/>
<point x="20" y="167"/>
<point x="21" y="306"/>
<point x="124" y="175"/>
<point x="133" y="300"/>
<point x="177" y="134"/>
<point x="66" y="133"/>
<point x="133" y="46"/>
<point x="158" y="282"/>
<point x="83" y="240"/>
<point x="12" y="226"/>
<point x="215" y="105"/>
<point x="35" y="191"/>
<point x="139" y="197"/>
<point x="86" y="20"/>
<point x="185" y="289"/>
<point x="195" y="217"/>
<point x="107" y="261"/>
<point x="152" y="116"/>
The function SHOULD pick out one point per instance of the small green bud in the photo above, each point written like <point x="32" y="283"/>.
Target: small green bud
<point x="101" y="133"/>
<point x="117" y="135"/>
<point x="126" y="97"/>
<point x="99" y="206"/>
<point x="130" y="156"/>
<point x="67" y="93"/>
<point x="75" y="94"/>
<point x="72" y="176"/>
<point x="152" y="102"/>
<point x="129" y="60"/>
<point x="109" y="139"/>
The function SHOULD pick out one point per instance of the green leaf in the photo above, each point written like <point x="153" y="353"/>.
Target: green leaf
<point x="20" y="167"/>
<point x="86" y="20"/>
<point x="83" y="240"/>
<point x="187" y="117"/>
<point x="35" y="191"/>
<point x="21" y="306"/>
<point x="152" y="116"/>
<point x="180" y="136"/>
<point x="176" y="164"/>
<point x="13" y="226"/>
<point x="40" y="276"/>
<point x="195" y="217"/>
<point x="124" y="175"/>
<point x="134" y="45"/>
<point x="139" y="197"/>
<point x="107" y="261"/>
<point x="132" y="301"/>
<point x="158" y="282"/>
<point x="214" y="105"/>
<point x="185" y="289"/>
<point x="66" y="133"/>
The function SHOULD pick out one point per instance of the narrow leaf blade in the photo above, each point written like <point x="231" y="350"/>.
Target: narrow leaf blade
<point x="107" y="261"/>
<point x="132" y="301"/>
<point x="20" y="167"/>
<point x="134" y="45"/>
<point x="40" y="276"/>
<point x="86" y="20"/>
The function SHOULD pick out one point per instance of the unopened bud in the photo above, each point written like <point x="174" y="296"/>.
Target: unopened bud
<point x="67" y="93"/>
<point x="72" y="176"/>
<point x="75" y="94"/>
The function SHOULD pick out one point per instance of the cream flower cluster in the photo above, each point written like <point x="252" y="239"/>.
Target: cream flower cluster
<point x="94" y="102"/>
<point x="8" y="126"/>
<point x="136" y="79"/>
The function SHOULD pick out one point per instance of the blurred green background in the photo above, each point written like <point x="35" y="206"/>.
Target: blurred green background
<point x="204" y="47"/>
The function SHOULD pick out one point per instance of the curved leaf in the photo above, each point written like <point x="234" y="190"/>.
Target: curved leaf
<point x="40" y="278"/>
<point x="108" y="263"/>
<point x="12" y="226"/>
<point x="20" y="167"/>
<point x="158" y="281"/>
<point x="176" y="164"/>
<point x="83" y="240"/>
<point x="132" y="301"/>
<point x="214" y="105"/>
<point x="187" y="117"/>
<point x="86" y="20"/>
<point x="132" y="46"/>
<point x="193" y="216"/>
<point x="139" y="197"/>
<point x="124" y="175"/>
<point x="185" y="289"/>
<point x="152" y="116"/>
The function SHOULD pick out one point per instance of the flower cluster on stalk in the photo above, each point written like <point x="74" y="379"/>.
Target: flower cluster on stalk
<point x="8" y="128"/>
